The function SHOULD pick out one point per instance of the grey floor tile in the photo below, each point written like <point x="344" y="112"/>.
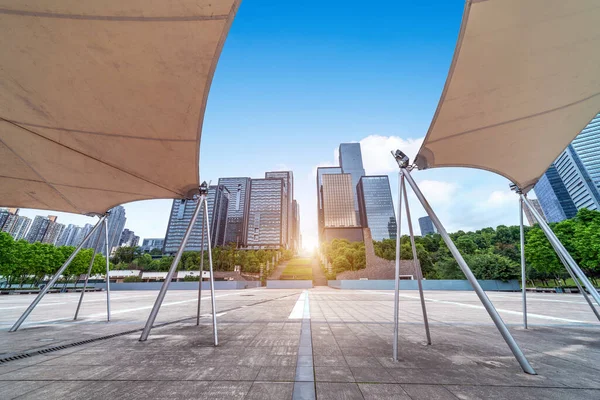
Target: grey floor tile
<point x="384" y="392"/>
<point x="333" y="374"/>
<point x="338" y="391"/>
<point x="275" y="374"/>
<point x="270" y="391"/>
<point x="373" y="375"/>
<point x="427" y="392"/>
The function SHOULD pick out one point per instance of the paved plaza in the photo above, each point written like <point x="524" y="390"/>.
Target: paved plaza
<point x="282" y="344"/>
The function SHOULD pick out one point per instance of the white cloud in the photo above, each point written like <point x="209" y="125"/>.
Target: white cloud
<point x="438" y="192"/>
<point x="501" y="198"/>
<point x="376" y="152"/>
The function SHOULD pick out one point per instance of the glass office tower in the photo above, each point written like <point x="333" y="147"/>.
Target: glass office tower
<point x="267" y="214"/>
<point x="338" y="201"/>
<point x="351" y="163"/>
<point x="426" y="226"/>
<point x="576" y="179"/>
<point x="181" y="215"/>
<point x="237" y="213"/>
<point x="376" y="206"/>
<point x="554" y="197"/>
<point x="320" y="213"/>
<point x="587" y="147"/>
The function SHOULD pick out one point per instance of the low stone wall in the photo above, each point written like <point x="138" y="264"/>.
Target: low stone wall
<point x="219" y="285"/>
<point x="442" y="284"/>
<point x="289" y="284"/>
<point x="377" y="268"/>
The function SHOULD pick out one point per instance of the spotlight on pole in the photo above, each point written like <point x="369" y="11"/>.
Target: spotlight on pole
<point x="401" y="158"/>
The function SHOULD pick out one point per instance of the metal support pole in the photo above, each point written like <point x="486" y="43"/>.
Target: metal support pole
<point x="397" y="272"/>
<point x="165" y="285"/>
<point x="558" y="246"/>
<point x="107" y="271"/>
<point x="510" y="341"/>
<point x="87" y="277"/>
<point x="581" y="289"/>
<point x="200" y="282"/>
<point x="523" y="272"/>
<point x="55" y="278"/>
<point x="212" y="278"/>
<point x="572" y="274"/>
<point x="418" y="270"/>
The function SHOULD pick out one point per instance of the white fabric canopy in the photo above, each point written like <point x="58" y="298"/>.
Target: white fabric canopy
<point x="102" y="102"/>
<point x="524" y="81"/>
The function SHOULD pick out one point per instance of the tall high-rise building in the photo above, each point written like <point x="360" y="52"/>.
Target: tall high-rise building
<point x="587" y="147"/>
<point x="53" y="232"/>
<point x="237" y="213"/>
<point x="320" y="212"/>
<point x="338" y="201"/>
<point x="14" y="224"/>
<point x="426" y="226"/>
<point x="295" y="245"/>
<point x="288" y="180"/>
<point x="128" y="239"/>
<point x="554" y="197"/>
<point x="351" y="163"/>
<point x="376" y="206"/>
<point x="529" y="215"/>
<point x="68" y="235"/>
<point x="267" y="217"/>
<point x="578" y="182"/>
<point x="39" y="227"/>
<point x="116" y="223"/>
<point x="181" y="214"/>
<point x="81" y="234"/>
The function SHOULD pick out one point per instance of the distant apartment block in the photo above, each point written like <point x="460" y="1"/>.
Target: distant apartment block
<point x="376" y="206"/>
<point x="128" y="239"/>
<point x="529" y="215"/>
<point x="13" y="223"/>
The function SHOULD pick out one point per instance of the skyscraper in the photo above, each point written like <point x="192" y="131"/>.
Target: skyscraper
<point x="288" y="180"/>
<point x="554" y="197"/>
<point x="426" y="226"/>
<point x="320" y="213"/>
<point x="128" y="239"/>
<point x="295" y="226"/>
<point x="587" y="147"/>
<point x="53" y="232"/>
<point x="181" y="215"/>
<point x="576" y="179"/>
<point x="338" y="201"/>
<point x="351" y="163"/>
<point x="116" y="222"/>
<point x="267" y="225"/>
<point x="14" y="224"/>
<point x="39" y="227"/>
<point x="237" y="213"/>
<point x="376" y="206"/>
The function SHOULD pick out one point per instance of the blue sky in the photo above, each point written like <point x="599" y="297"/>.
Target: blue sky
<point x="295" y="79"/>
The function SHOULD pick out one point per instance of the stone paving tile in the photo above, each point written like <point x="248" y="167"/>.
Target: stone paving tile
<point x="374" y="375"/>
<point x="338" y="391"/>
<point x="428" y="392"/>
<point x="328" y="361"/>
<point x="521" y="393"/>
<point x="270" y="391"/>
<point x="11" y="390"/>
<point x="333" y="374"/>
<point x="354" y="361"/>
<point x="384" y="392"/>
<point x="275" y="374"/>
